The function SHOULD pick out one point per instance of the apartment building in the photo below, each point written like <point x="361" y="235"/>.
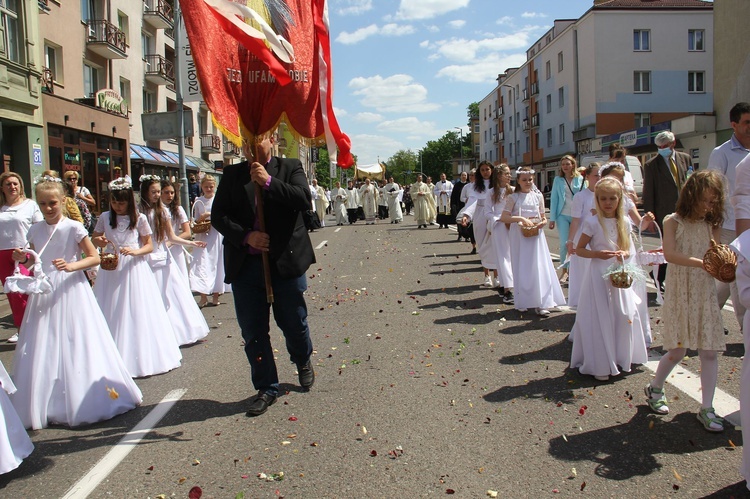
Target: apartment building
<point x="21" y="133"/>
<point x="621" y="73"/>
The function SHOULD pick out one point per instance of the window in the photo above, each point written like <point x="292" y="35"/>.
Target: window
<point x="642" y="81"/>
<point x="549" y="137"/>
<point x="125" y="91"/>
<point x="559" y="62"/>
<point x="149" y="101"/>
<point x="548" y="69"/>
<point x="510" y="150"/>
<point x="528" y="144"/>
<point x="561" y="97"/>
<point x="549" y="103"/>
<point x="53" y="60"/>
<point x="641" y="40"/>
<point x="88" y="10"/>
<point x="10" y="38"/>
<point x="124" y="25"/>
<point x="562" y="134"/>
<point x="518" y="119"/>
<point x="476" y="128"/>
<point x="695" y="40"/>
<point x="696" y="81"/>
<point x="642" y="119"/>
<point x="90" y="80"/>
<point x="147" y="42"/>
<point x="510" y="123"/>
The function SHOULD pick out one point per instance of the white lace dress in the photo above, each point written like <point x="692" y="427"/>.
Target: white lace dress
<point x="66" y="362"/>
<point x="131" y="301"/>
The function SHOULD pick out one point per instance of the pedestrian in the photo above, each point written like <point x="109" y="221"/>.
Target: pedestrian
<point x="382" y="201"/>
<point x="188" y="322"/>
<point x="584" y="207"/>
<point x="17" y="215"/>
<point x="71" y="208"/>
<point x="608" y="331"/>
<point x="442" y="192"/>
<point x="407" y="201"/>
<point x="421" y="195"/>
<point x="15" y="444"/>
<point x="352" y="202"/>
<point x="457" y="204"/>
<point x="87" y="219"/>
<point x="431" y="201"/>
<point x="392" y="193"/>
<point x="79" y="191"/>
<point x="691" y="314"/>
<point x="66" y="366"/>
<point x="321" y="202"/>
<point x="534" y="277"/>
<point x="329" y="210"/>
<point x="194" y="189"/>
<point x="290" y="253"/>
<point x="499" y="231"/>
<point x="474" y="213"/>
<point x="207" y="267"/>
<point x="129" y="296"/>
<point x="567" y="184"/>
<point x="170" y="197"/>
<point x="368" y="195"/>
<point x="467" y="230"/>
<point x="338" y="199"/>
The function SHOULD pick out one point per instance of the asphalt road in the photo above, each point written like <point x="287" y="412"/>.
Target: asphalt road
<point x="426" y="386"/>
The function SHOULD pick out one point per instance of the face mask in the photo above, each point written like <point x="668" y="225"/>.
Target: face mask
<point x="665" y="152"/>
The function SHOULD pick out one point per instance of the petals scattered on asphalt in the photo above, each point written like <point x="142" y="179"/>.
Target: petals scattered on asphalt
<point x="292" y="418"/>
<point x="492" y="493"/>
<point x="113" y="393"/>
<point x="195" y="493"/>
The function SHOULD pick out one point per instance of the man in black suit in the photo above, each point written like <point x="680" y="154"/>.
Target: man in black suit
<point x="286" y="196"/>
<point x="663" y="177"/>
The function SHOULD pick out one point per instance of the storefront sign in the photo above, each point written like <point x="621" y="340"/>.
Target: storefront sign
<point x="111" y="101"/>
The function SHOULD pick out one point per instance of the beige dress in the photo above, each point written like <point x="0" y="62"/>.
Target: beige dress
<point x="691" y="312"/>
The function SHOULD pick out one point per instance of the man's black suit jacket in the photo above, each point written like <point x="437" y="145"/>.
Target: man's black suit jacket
<point x="233" y="215"/>
<point x="660" y="192"/>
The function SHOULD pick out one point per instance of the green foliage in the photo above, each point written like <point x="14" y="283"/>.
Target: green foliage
<point x="472" y="112"/>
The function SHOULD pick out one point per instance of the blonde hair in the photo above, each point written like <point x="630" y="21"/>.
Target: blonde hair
<point x="57" y="187"/>
<point x="70" y="174"/>
<point x="612" y="185"/>
<point x="5" y="176"/>
<point x="495" y="182"/>
<point x="575" y="166"/>
<point x="208" y="178"/>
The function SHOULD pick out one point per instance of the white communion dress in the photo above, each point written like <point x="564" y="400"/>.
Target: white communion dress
<point x="15" y="444"/>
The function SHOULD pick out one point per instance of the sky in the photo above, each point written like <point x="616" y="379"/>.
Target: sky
<point x="405" y="71"/>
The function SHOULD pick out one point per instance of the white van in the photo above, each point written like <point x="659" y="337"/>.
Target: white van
<point x="631" y="164"/>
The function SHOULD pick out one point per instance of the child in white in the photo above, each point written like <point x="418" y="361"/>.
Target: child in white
<point x="741" y="246"/>
<point x="15" y="444"/>
<point x="473" y="213"/>
<point x="207" y="267"/>
<point x="170" y="197"/>
<point x="539" y="288"/>
<point x="129" y="296"/>
<point x="66" y="367"/>
<point x="187" y="320"/>
<point x="499" y="232"/>
<point x="608" y="333"/>
<point x="584" y="207"/>
<point x="691" y="313"/>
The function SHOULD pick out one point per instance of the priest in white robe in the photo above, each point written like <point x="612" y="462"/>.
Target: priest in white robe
<point x="442" y="191"/>
<point x="421" y="196"/>
<point x="352" y="202"/>
<point x="432" y="202"/>
<point x="321" y="202"/>
<point x="392" y="195"/>
<point x="338" y="201"/>
<point x="368" y="195"/>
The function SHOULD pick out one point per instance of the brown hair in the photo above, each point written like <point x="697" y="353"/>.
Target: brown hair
<point x="617" y="152"/>
<point x="174" y="207"/>
<point x="125" y="194"/>
<point x="690" y="196"/>
<point x="495" y="182"/>
<point x="160" y="221"/>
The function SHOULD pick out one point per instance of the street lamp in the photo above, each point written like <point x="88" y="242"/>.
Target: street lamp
<point x="460" y="150"/>
<point x="515" y="125"/>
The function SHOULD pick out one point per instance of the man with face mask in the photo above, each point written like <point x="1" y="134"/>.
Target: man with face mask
<point x="663" y="178"/>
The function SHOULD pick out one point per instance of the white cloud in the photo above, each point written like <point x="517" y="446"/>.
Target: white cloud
<point x="505" y="20"/>
<point x="361" y="34"/>
<point x="368" y="148"/>
<point x="410" y="126"/>
<point x="457" y="24"/>
<point x="396" y="94"/>
<point x="355" y="7"/>
<point x="368" y="117"/>
<point x="484" y="71"/>
<point x="428" y="9"/>
<point x="339" y="112"/>
<point x="461" y="49"/>
<point x="531" y="15"/>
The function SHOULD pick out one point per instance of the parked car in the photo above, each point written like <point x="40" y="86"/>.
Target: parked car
<point x="631" y="164"/>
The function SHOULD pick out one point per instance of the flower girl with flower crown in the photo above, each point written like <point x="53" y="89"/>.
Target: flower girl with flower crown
<point x="129" y="295"/>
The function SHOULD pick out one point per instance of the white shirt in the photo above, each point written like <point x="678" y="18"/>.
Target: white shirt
<point x="15" y="222"/>
<point x="724" y="159"/>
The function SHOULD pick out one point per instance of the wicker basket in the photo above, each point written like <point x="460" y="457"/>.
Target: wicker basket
<point x="721" y="262"/>
<point x="529" y="230"/>
<point x="200" y="227"/>
<point x="109" y="260"/>
<point x="621" y="279"/>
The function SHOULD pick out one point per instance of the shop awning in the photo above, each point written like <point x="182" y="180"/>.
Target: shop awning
<point x="203" y="165"/>
<point x="160" y="157"/>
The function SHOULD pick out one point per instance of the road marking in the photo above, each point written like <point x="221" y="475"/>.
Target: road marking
<point x="337" y="229"/>
<point x="109" y="462"/>
<point x="321" y="245"/>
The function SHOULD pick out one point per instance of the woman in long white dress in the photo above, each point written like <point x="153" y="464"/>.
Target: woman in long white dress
<point x="474" y="213"/>
<point x="15" y="444"/>
<point x="66" y="366"/>
<point x="187" y="320"/>
<point x="584" y="206"/>
<point x="129" y="295"/>
<point x="207" y="267"/>
<point x="499" y="232"/>
<point x="170" y="197"/>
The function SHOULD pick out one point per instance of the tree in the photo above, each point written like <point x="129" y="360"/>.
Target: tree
<point x="323" y="168"/>
<point x="401" y="162"/>
<point x="472" y="112"/>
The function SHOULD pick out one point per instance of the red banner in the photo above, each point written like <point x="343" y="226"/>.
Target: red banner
<point x="245" y="81"/>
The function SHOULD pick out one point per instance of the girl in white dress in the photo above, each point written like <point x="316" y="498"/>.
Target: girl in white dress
<point x="499" y="232"/>
<point x="474" y="213"/>
<point x="539" y="288"/>
<point x="187" y="320"/>
<point x="66" y="367"/>
<point x="584" y="206"/>
<point x="129" y="296"/>
<point x="170" y="197"/>
<point x="608" y="332"/>
<point x="691" y="312"/>
<point x="207" y="267"/>
<point x="15" y="444"/>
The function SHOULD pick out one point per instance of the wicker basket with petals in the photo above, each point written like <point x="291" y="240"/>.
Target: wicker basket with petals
<point x="621" y="279"/>
<point x="721" y="262"/>
<point x="530" y="230"/>
<point x="109" y="258"/>
<point x="200" y="227"/>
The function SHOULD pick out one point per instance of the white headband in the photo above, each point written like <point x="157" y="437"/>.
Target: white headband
<point x="519" y="171"/>
<point x="47" y="178"/>
<point x="610" y="164"/>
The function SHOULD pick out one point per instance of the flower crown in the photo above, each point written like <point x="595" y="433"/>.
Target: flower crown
<point x="119" y="184"/>
<point x="520" y="170"/>
<point x="146" y="178"/>
<point x="610" y="164"/>
<point x="47" y="178"/>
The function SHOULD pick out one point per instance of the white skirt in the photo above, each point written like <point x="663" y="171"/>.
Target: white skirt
<point x="180" y="258"/>
<point x="535" y="281"/>
<point x="207" y="267"/>
<point x="484" y="239"/>
<point x="576" y="272"/>
<point x="501" y="246"/>
<point x="15" y="444"/>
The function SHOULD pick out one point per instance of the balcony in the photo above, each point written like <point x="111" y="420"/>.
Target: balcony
<point x="158" y="70"/>
<point x="525" y="94"/>
<point x="107" y="40"/>
<point x="525" y="124"/>
<point x="158" y="13"/>
<point x="231" y="150"/>
<point x="210" y="144"/>
<point x="48" y="81"/>
<point x="535" y="120"/>
<point x="535" y="88"/>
